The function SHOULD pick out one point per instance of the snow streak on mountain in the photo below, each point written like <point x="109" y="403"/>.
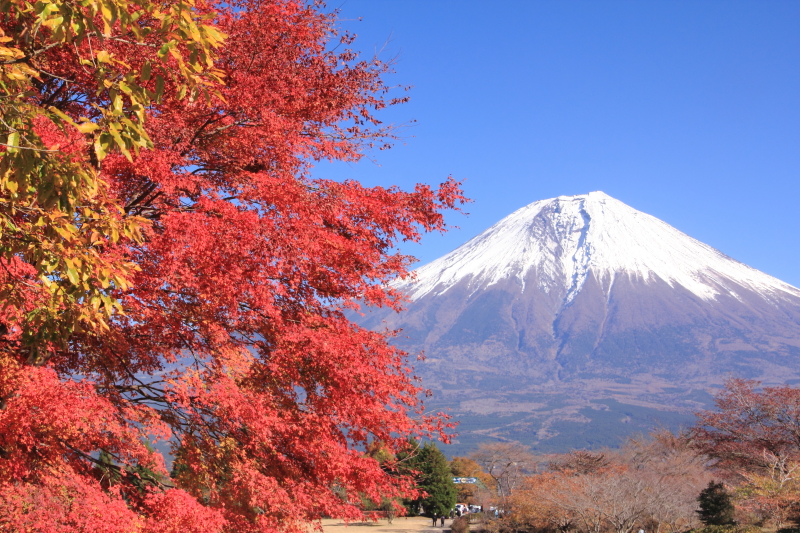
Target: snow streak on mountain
<point x="565" y="238"/>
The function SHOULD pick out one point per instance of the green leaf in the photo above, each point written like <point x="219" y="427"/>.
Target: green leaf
<point x="159" y="86"/>
<point x="146" y="68"/>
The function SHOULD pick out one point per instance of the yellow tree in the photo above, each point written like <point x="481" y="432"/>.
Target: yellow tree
<point x="59" y="227"/>
<point x="470" y="493"/>
<point x="772" y="492"/>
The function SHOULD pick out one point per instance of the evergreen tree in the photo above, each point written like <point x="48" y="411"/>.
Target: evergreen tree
<point x="436" y="479"/>
<point x="716" y="508"/>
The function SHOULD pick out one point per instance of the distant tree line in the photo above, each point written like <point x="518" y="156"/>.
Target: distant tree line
<point x="735" y="470"/>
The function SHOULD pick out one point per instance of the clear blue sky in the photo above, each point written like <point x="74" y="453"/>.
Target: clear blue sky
<point x="689" y="111"/>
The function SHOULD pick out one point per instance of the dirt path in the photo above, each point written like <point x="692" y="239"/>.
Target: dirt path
<point x="414" y="524"/>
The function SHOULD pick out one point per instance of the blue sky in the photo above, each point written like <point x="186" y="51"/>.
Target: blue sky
<point x="689" y="111"/>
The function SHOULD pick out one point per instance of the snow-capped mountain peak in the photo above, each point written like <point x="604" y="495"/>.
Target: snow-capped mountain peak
<point x="582" y="299"/>
<point x="565" y="239"/>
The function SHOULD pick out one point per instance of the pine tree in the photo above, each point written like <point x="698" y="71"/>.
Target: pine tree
<point x="436" y="479"/>
<point x="716" y="508"/>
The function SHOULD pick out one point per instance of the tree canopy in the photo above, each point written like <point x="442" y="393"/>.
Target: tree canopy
<point x="751" y="427"/>
<point x="467" y="492"/>
<point x="172" y="271"/>
<point x="435" y="479"/>
<point x="754" y="435"/>
<point x="506" y="463"/>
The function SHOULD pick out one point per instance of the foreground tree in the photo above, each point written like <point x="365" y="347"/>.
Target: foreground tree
<point x="193" y="293"/>
<point x="71" y="94"/>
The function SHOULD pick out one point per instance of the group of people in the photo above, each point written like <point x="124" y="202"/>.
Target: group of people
<point x="441" y="518"/>
<point x="453" y="514"/>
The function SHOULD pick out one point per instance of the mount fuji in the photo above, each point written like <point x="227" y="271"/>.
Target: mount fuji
<point x="577" y="320"/>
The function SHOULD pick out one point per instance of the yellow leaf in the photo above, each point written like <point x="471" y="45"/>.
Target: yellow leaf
<point x="99" y="150"/>
<point x="60" y="114"/>
<point x="72" y="274"/>
<point x="13" y="142"/>
<point x="87" y="127"/>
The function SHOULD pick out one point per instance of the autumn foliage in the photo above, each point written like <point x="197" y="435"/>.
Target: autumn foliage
<point x="735" y="470"/>
<point x="754" y="436"/>
<point x="173" y="273"/>
<point x="650" y="483"/>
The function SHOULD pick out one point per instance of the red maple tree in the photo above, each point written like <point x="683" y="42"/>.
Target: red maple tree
<point x="751" y="427"/>
<point x="233" y="348"/>
<point x="755" y="435"/>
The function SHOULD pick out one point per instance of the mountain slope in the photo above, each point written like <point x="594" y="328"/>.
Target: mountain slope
<point x="582" y="299"/>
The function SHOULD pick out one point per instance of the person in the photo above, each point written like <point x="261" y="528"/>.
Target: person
<point x="434" y="519"/>
<point x="442" y="519"/>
